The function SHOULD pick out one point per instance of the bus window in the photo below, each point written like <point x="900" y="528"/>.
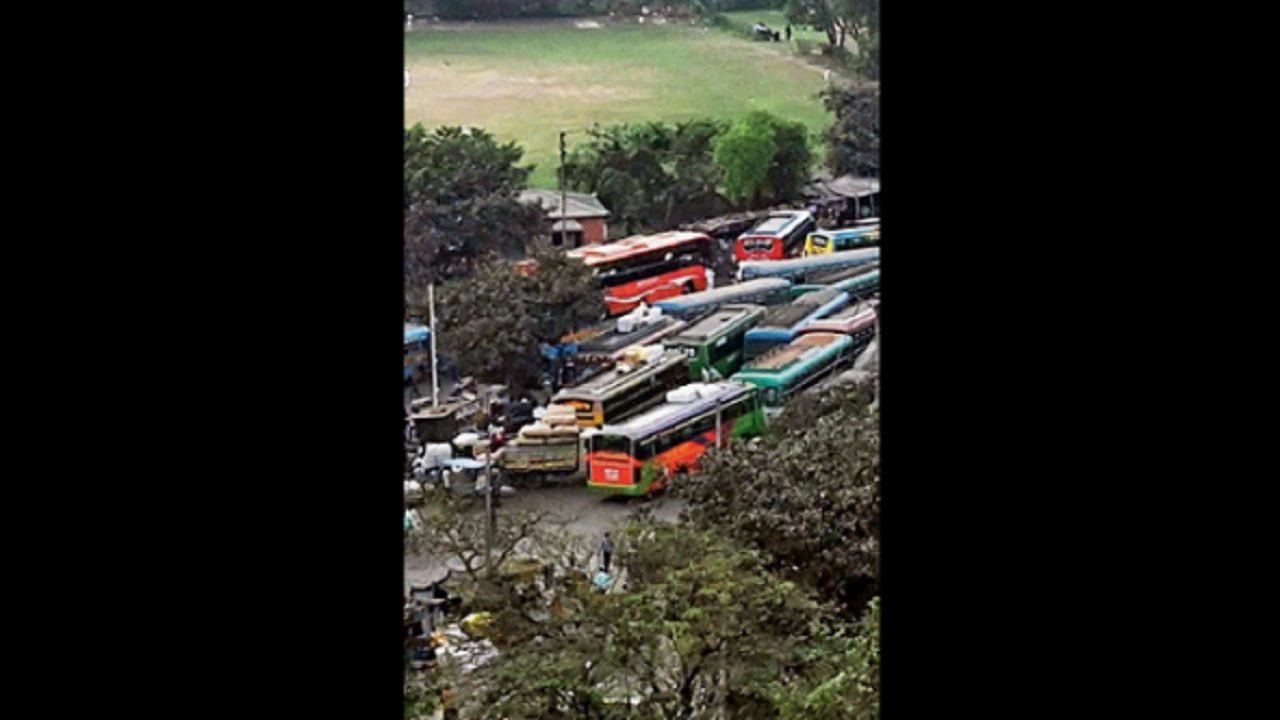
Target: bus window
<point x="611" y="443"/>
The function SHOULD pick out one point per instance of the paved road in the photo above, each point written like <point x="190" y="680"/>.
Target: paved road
<point x="587" y="513"/>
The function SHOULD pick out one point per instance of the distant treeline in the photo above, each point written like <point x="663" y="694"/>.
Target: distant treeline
<point x="498" y="9"/>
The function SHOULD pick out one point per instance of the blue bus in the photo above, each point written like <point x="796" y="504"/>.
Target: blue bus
<point x="765" y="291"/>
<point x="781" y="324"/>
<point x="417" y="351"/>
<point x="799" y="270"/>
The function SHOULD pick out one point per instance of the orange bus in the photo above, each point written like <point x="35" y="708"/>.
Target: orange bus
<point x="649" y="268"/>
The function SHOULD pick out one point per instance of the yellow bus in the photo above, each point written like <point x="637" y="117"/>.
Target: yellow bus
<point x="636" y="383"/>
<point x="828" y="241"/>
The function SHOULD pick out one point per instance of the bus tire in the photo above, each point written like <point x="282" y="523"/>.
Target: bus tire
<point x="687" y="289"/>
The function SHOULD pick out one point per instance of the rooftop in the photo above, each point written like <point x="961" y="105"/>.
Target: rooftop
<point x="580" y="205"/>
<point x="724" y="316"/>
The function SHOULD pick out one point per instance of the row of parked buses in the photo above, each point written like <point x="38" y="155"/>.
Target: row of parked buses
<point x="721" y="362"/>
<point x="791" y="233"/>
<point x="651" y="268"/>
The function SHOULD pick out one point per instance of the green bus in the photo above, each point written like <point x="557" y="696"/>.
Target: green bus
<point x="641" y="455"/>
<point x="787" y="370"/>
<point x="714" y="344"/>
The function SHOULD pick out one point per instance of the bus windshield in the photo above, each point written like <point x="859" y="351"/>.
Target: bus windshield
<point x="611" y="444"/>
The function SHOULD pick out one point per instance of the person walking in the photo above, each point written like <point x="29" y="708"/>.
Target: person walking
<point x="606" y="552"/>
<point x="788" y="32"/>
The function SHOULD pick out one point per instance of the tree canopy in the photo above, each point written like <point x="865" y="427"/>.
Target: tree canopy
<point x="652" y="175"/>
<point x="701" y="630"/>
<point x="807" y="494"/>
<point x="493" y="322"/>
<point x="461" y="191"/>
<point x="853" y="139"/>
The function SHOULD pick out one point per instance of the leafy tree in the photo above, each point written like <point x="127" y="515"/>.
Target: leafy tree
<point x="807" y="495"/>
<point x="853" y="139"/>
<point x="651" y="176"/>
<point x="839" y="19"/>
<point x="494" y="322"/>
<point x="461" y="202"/>
<point x="700" y="630"/>
<point x="765" y="159"/>
<point x="849" y="688"/>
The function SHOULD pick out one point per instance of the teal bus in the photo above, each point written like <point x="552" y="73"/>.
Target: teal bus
<point x="860" y="282"/>
<point x="714" y="344"/>
<point x="781" y="324"/>
<point x="787" y="370"/>
<point x="643" y="454"/>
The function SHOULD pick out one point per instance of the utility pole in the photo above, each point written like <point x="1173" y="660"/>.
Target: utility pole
<point x="564" y="193"/>
<point x="431" y="309"/>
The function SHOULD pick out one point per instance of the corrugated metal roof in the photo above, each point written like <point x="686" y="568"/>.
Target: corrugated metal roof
<point x="580" y="205"/>
<point x="848" y="186"/>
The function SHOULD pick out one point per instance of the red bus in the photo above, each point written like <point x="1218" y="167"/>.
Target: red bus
<point x="649" y="268"/>
<point x="780" y="234"/>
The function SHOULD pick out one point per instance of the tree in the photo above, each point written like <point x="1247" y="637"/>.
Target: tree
<point x="494" y="322"/>
<point x="839" y="19"/>
<point x="650" y="175"/>
<point x="849" y="684"/>
<point x="853" y="139"/>
<point x="461" y="202"/>
<point x="700" y="630"/>
<point x="807" y="495"/>
<point x="765" y="159"/>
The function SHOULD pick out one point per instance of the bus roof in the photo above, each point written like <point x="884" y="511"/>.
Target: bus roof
<point x="610" y="381"/>
<point x="805" y="347"/>
<point x="723" y="294"/>
<point x="812" y="263"/>
<point x="414" y="332"/>
<point x="848" y="232"/>
<point x="670" y="413"/>
<point x="777" y="223"/>
<point x="720" y="321"/>
<point x="808" y="305"/>
<point x="634" y="245"/>
<point x="833" y="276"/>
<point x="614" y="339"/>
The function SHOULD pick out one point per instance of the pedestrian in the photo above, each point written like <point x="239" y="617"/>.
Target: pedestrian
<point x="788" y="32"/>
<point x="606" y="552"/>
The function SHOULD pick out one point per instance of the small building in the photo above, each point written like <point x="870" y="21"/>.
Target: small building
<point x="845" y="199"/>
<point x="582" y="223"/>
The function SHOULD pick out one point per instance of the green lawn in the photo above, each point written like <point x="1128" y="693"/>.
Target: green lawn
<point x="528" y="82"/>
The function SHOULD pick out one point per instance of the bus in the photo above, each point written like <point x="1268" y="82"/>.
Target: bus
<point x="860" y="282"/>
<point x="635" y="384"/>
<point x="714" y="343"/>
<point x="781" y="324"/>
<point x="648" y="268"/>
<point x="627" y="331"/>
<point x="827" y="241"/>
<point x="417" y="351"/>
<point x="765" y="291"/>
<point x="640" y="456"/>
<point x="787" y="370"/>
<point x="773" y="238"/>
<point x="856" y="321"/>
<point x="798" y="270"/>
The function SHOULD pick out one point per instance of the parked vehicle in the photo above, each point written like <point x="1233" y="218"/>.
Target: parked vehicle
<point x="780" y="234"/>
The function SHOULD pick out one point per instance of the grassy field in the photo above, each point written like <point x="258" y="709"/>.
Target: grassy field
<point x="527" y="82"/>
